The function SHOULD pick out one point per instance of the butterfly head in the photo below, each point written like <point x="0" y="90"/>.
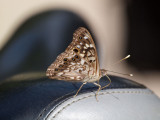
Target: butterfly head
<point x="103" y="72"/>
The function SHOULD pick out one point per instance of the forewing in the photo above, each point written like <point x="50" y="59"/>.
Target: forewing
<point x="78" y="62"/>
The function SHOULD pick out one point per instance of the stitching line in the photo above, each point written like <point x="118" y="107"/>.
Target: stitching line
<point x="42" y="112"/>
<point x="122" y="92"/>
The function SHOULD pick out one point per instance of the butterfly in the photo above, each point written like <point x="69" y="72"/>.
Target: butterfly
<point x="79" y="62"/>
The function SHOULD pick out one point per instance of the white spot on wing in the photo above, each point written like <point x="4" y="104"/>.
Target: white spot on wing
<point x="87" y="45"/>
<point x="73" y="63"/>
<point x="91" y="58"/>
<point x="78" y="77"/>
<point x="78" y="46"/>
<point x="72" y="67"/>
<point x="87" y="68"/>
<point x="77" y="70"/>
<point x="59" y="74"/>
<point x="78" y="63"/>
<point x="72" y="77"/>
<point x="82" y="55"/>
<point x="66" y="70"/>
<point x="82" y="61"/>
<point x="88" y="53"/>
<point x="91" y="45"/>
<point x="85" y="37"/>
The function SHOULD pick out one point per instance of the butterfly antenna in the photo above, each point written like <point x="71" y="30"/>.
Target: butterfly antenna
<point x="120" y="73"/>
<point x="122" y="60"/>
<point x="119" y="62"/>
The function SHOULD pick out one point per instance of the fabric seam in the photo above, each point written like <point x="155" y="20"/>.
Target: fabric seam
<point x="104" y="93"/>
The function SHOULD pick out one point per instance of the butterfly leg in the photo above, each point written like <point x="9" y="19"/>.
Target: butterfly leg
<point x="108" y="83"/>
<point x="79" y="89"/>
<point x="97" y="84"/>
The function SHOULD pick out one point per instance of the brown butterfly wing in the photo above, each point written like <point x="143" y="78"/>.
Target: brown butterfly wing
<point x="79" y="62"/>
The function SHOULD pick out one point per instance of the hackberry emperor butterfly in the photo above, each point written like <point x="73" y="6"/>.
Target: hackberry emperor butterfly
<point x="79" y="62"/>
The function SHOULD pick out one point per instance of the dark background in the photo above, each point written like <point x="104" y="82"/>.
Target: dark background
<point x="143" y="34"/>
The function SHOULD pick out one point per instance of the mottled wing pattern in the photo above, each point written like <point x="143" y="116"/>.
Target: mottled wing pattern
<point x="79" y="62"/>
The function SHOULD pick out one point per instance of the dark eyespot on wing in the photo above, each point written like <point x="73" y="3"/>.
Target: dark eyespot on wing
<point x="80" y="37"/>
<point x="60" y="66"/>
<point x="76" y="56"/>
<point x="75" y="50"/>
<point x="73" y="59"/>
<point x="65" y="59"/>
